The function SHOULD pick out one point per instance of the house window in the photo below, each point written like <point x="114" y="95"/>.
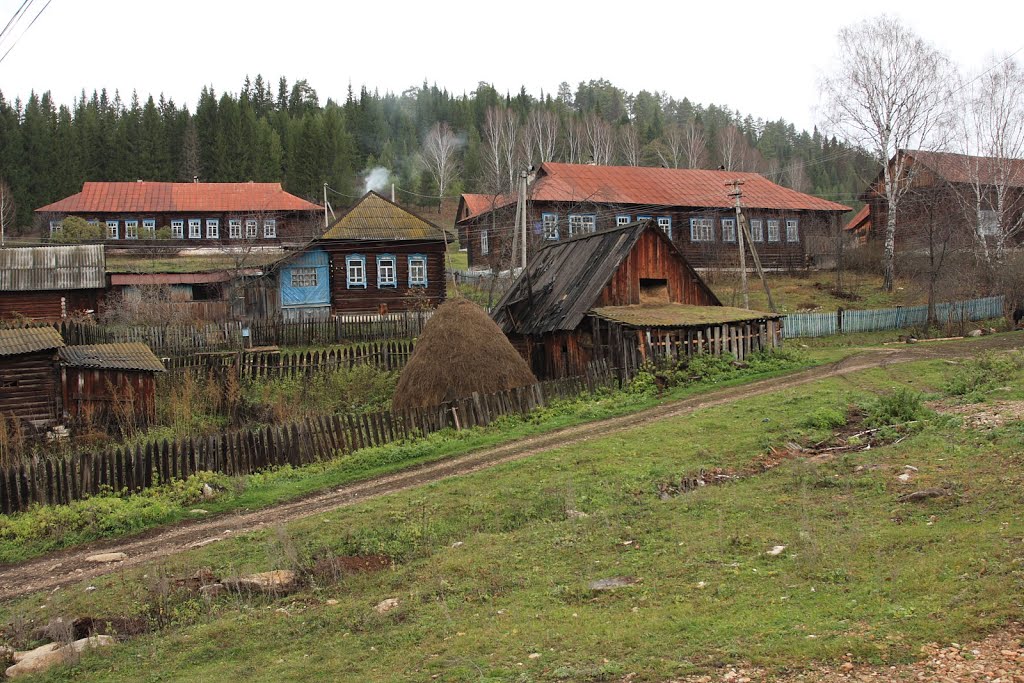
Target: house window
<point x="149" y="228"/>
<point x="250" y="228"/>
<point x="270" y="228"/>
<point x="178" y="229"/>
<point x="485" y="243"/>
<point x="622" y="220"/>
<point x="355" y="271"/>
<point x="212" y="228"/>
<point x="195" y="228"/>
<point x="418" y="270"/>
<point x="112" y="230"/>
<point x="386" y="275"/>
<point x="773" y="230"/>
<point x="131" y="230"/>
<point x="702" y="230"/>
<point x="582" y="223"/>
<point x="988" y="223"/>
<point x="549" y="225"/>
<point x="757" y="230"/>
<point x="728" y="229"/>
<point x="304" y="277"/>
<point x="792" y="230"/>
<point x="235" y="228"/>
<point x="643" y="218"/>
<point x="665" y="223"/>
<point x="56" y="228"/>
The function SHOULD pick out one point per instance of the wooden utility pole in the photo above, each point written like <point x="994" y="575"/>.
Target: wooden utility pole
<point x="523" y="180"/>
<point x="737" y="193"/>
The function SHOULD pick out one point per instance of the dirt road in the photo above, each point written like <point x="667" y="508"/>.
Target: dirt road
<point x="70" y="566"/>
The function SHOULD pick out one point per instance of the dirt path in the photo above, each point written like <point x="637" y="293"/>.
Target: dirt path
<point x="70" y="566"/>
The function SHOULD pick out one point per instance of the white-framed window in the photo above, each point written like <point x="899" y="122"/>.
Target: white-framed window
<point x="212" y="228"/>
<point x="131" y="230"/>
<point x="773" y="230"/>
<point x="621" y="220"/>
<point x="355" y="271"/>
<point x="270" y="227"/>
<point x="195" y="228"/>
<point x="702" y="230"/>
<point x="988" y="222"/>
<point x="580" y="223"/>
<point x="235" y="228"/>
<point x="757" y="230"/>
<point x="304" y="277"/>
<point x="549" y="225"/>
<point x="485" y="243"/>
<point x="418" y="270"/>
<point x="149" y="228"/>
<point x="250" y="227"/>
<point x="56" y="228"/>
<point x="728" y="229"/>
<point x="387" y="273"/>
<point x="112" y="230"/>
<point x="178" y="229"/>
<point x="792" y="230"/>
<point x="665" y="223"/>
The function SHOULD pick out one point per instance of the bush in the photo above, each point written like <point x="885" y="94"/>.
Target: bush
<point x="825" y="418"/>
<point x="984" y="373"/>
<point x="895" y="408"/>
<point x="74" y="230"/>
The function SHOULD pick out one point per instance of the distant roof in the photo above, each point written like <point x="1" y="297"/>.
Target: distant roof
<point x="481" y="203"/>
<point x="141" y="197"/>
<point x="677" y="315"/>
<point x="962" y="168"/>
<point x="129" y="356"/>
<point x="564" y="279"/>
<point x="860" y="220"/>
<point x="29" y="340"/>
<point x="120" y="279"/>
<point x="26" y="269"/>
<point x="375" y="218"/>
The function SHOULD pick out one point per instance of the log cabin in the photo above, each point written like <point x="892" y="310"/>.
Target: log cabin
<point x="109" y="384"/>
<point x="29" y="388"/>
<point x="51" y="283"/>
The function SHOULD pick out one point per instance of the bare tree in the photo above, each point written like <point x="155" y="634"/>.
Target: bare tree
<point x="575" y="134"/>
<point x="542" y="129"/>
<point x="6" y="211"/>
<point x="629" y="144"/>
<point x="440" y="155"/>
<point x="730" y="146"/>
<point x="599" y="139"/>
<point x="695" y="142"/>
<point x="887" y="93"/>
<point x="672" y="147"/>
<point x="495" y="173"/>
<point x="796" y="176"/>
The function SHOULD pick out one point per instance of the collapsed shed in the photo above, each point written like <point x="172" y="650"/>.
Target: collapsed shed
<point x="109" y="382"/>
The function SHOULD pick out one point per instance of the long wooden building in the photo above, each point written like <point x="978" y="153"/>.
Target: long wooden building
<point x="29" y="386"/>
<point x="51" y="283"/>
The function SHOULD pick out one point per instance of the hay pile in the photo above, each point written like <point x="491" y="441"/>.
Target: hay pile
<point x="461" y="350"/>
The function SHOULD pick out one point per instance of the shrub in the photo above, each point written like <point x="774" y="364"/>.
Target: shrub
<point x="74" y="229"/>
<point x="825" y="418"/>
<point x="984" y="373"/>
<point x="895" y="408"/>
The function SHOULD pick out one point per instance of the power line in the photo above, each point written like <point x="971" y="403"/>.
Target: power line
<point x="14" y="18"/>
<point x="31" y="23"/>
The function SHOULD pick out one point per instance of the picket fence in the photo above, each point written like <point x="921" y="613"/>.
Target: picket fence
<point x="132" y="468"/>
<point x="873" y="320"/>
<point x="253" y="364"/>
<point x="340" y="328"/>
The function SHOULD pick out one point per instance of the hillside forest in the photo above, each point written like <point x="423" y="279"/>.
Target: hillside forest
<point x="285" y="133"/>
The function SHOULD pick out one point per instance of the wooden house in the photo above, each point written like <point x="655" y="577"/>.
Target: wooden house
<point x="51" y="283"/>
<point x="110" y="383"/>
<point x="304" y="284"/>
<point x="691" y="206"/>
<point x="626" y="295"/>
<point x="29" y="388"/>
<point x="381" y="258"/>
<point x="190" y="215"/>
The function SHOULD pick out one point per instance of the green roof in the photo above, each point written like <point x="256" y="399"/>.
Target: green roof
<point x="375" y="218"/>
<point x="677" y="315"/>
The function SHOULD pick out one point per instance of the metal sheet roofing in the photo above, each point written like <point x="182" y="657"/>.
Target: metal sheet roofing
<point x="142" y="197"/>
<point x="861" y="219"/>
<point x="26" y="269"/>
<point x="29" y="340"/>
<point x="678" y="315"/>
<point x="128" y="356"/>
<point x="375" y="218"/>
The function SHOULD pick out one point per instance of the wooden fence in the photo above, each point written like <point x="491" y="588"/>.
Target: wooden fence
<point x="133" y="468"/>
<point x="872" y="320"/>
<point x="338" y="329"/>
<point x="250" y="364"/>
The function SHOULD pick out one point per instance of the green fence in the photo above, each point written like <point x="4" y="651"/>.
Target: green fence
<point x="873" y="320"/>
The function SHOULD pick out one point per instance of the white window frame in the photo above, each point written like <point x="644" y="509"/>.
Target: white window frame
<point x="56" y="228"/>
<point x="212" y="228"/>
<point x="774" y="228"/>
<point x="485" y="243"/>
<point x="251" y="228"/>
<point x="728" y="227"/>
<point x="582" y="223"/>
<point x="131" y="230"/>
<point x="621" y="220"/>
<point x="418" y="270"/>
<point x="756" y="230"/>
<point x="304" y="277"/>
<point x="195" y="228"/>
<point x="387" y="271"/>
<point x="149" y="228"/>
<point x="665" y="223"/>
<point x="702" y="229"/>
<point x="792" y="230"/>
<point x="178" y="229"/>
<point x="112" y="227"/>
<point x="549" y="225"/>
<point x="235" y="228"/>
<point x="270" y="228"/>
<point x="355" y="271"/>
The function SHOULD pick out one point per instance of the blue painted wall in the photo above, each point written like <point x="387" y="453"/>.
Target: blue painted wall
<point x="306" y="297"/>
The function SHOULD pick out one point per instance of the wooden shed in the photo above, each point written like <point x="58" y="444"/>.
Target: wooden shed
<point x="28" y="377"/>
<point x="627" y="296"/>
<point x="51" y="283"/>
<point x="109" y="382"/>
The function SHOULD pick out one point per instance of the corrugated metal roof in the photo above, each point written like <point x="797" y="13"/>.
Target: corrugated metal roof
<point x="29" y="340"/>
<point x="564" y="280"/>
<point x="129" y="356"/>
<point x="142" y="197"/>
<point x="862" y="219"/>
<point x="375" y="218"/>
<point x="29" y="269"/>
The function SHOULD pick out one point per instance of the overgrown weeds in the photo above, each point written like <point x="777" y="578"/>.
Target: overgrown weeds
<point x="976" y="376"/>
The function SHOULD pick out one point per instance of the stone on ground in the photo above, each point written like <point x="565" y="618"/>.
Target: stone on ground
<point x="51" y="654"/>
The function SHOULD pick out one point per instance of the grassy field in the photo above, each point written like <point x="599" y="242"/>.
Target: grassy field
<point x="814" y="292"/>
<point x="491" y="570"/>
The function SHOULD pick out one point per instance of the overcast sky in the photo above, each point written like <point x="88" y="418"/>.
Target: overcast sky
<point x="762" y="58"/>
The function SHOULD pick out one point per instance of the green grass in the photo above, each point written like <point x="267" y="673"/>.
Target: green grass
<point x="861" y="573"/>
<point x="457" y="260"/>
<point x="813" y="292"/>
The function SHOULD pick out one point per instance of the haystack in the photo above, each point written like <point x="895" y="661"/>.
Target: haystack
<point x="461" y="350"/>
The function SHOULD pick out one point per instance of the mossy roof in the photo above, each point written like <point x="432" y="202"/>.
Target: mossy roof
<point x="677" y="315"/>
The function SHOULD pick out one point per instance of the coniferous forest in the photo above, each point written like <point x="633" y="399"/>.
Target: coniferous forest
<point x="284" y="132"/>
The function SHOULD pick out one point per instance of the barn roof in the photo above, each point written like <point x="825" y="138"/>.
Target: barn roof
<point x="155" y="197"/>
<point x="962" y="168"/>
<point x="27" y="269"/>
<point x="29" y="340"/>
<point x="376" y="218"/>
<point x="564" y="279"/>
<point x="129" y="356"/>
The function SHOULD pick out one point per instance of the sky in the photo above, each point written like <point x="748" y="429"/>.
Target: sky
<point x="761" y="58"/>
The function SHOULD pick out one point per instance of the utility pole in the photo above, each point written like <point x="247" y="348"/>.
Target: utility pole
<point x="522" y="193"/>
<point x="326" y="225"/>
<point x="738" y="193"/>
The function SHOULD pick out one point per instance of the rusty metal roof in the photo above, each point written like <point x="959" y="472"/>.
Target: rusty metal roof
<point x="961" y="168"/>
<point x="563" y="281"/>
<point x="29" y="269"/>
<point x="157" y="197"/>
<point x="375" y="218"/>
<point x="29" y="340"/>
<point x="128" y="356"/>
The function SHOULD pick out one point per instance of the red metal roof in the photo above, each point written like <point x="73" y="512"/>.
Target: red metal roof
<point x="861" y="219"/>
<point x="961" y="168"/>
<point x="142" y="197"/>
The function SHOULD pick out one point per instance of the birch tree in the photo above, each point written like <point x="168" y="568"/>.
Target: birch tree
<point x="599" y="139"/>
<point x="695" y="142"/>
<point x="542" y="126"/>
<point x="629" y="144"/>
<point x="887" y="92"/>
<point x="440" y="156"/>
